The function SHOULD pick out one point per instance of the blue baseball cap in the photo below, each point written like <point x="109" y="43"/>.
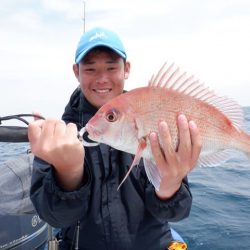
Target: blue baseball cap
<point x="99" y="37"/>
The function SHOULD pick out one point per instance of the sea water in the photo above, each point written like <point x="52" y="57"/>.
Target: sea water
<point x="220" y="215"/>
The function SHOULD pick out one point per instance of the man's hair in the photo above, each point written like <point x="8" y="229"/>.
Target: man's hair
<point x="100" y="49"/>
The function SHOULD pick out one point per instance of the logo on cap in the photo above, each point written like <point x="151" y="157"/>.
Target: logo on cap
<point x="97" y="35"/>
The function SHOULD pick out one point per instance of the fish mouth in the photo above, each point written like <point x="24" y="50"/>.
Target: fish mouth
<point x="93" y="132"/>
<point x="83" y="140"/>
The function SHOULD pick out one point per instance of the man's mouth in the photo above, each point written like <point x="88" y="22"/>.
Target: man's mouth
<point x="102" y="91"/>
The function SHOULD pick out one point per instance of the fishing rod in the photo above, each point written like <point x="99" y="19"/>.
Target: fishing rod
<point x="16" y="133"/>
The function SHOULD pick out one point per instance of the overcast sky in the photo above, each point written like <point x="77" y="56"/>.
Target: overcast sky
<point x="38" y="38"/>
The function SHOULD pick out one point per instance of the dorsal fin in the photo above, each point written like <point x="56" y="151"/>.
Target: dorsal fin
<point x="171" y="77"/>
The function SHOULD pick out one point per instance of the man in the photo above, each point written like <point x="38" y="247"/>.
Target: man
<point x="73" y="185"/>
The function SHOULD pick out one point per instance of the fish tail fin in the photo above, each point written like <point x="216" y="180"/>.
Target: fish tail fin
<point x="243" y="142"/>
<point x="248" y="152"/>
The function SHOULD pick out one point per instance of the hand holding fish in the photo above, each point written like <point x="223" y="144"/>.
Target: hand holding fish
<point x="57" y="143"/>
<point x="175" y="164"/>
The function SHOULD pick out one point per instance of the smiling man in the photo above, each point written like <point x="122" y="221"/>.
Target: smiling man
<point x="75" y="188"/>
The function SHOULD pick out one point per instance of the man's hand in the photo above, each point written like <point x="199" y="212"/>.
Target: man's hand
<point x="174" y="165"/>
<point x="57" y="143"/>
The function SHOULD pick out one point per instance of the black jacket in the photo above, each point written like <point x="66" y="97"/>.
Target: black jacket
<point x="131" y="218"/>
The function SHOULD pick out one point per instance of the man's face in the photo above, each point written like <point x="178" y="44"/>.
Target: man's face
<point x="101" y="76"/>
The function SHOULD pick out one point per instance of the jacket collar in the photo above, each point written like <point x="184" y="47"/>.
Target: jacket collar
<point x="78" y="109"/>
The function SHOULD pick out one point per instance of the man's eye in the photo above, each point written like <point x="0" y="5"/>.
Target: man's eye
<point x="89" y="69"/>
<point x="111" y="68"/>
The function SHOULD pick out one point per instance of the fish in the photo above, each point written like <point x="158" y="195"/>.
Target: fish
<point x="125" y="122"/>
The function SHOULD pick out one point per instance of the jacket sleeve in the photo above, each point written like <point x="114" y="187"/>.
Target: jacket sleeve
<point x="174" y="209"/>
<point x="54" y="205"/>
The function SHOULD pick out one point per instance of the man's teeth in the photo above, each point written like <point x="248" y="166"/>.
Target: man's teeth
<point x="102" y="90"/>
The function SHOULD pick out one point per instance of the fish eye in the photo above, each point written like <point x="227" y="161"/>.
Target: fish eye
<point x="112" y="115"/>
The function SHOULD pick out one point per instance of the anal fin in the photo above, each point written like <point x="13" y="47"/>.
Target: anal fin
<point x="153" y="173"/>
<point x="215" y="158"/>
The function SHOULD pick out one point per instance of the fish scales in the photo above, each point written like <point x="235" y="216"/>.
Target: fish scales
<point x="161" y="104"/>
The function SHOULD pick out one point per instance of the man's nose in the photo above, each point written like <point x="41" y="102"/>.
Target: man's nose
<point x="101" y="78"/>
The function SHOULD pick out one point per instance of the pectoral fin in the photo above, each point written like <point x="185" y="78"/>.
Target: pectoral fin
<point x="141" y="146"/>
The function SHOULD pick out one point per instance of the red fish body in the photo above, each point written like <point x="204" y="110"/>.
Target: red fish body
<point x="125" y="122"/>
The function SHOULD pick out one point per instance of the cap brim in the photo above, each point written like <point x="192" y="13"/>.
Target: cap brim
<point x="84" y="52"/>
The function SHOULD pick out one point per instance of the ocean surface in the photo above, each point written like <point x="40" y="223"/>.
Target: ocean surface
<point x="220" y="216"/>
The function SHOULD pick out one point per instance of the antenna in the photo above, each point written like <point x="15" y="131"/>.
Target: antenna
<point x="83" y="19"/>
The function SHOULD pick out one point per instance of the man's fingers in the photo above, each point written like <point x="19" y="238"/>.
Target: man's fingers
<point x="196" y="141"/>
<point x="37" y="115"/>
<point x="184" y="147"/>
<point x="164" y="154"/>
<point x="166" y="140"/>
<point x="71" y="129"/>
<point x="60" y="129"/>
<point x="35" y="130"/>
<point x="156" y="149"/>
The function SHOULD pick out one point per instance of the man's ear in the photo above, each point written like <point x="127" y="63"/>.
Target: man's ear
<point x="127" y="70"/>
<point x="76" y="71"/>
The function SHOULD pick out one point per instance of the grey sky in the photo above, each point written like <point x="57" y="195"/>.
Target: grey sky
<point x="38" y="39"/>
